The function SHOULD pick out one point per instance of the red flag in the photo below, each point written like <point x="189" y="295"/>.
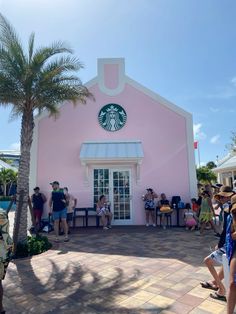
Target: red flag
<point x="195" y="144"/>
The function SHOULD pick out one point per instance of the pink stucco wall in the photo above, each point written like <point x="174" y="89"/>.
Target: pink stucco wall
<point x="161" y="131"/>
<point x="163" y="136"/>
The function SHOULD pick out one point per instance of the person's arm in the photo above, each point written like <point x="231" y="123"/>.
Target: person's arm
<point x="50" y="204"/>
<point x="233" y="235"/>
<point x="75" y="202"/>
<point x="155" y="195"/>
<point x="44" y="198"/>
<point x="221" y="242"/>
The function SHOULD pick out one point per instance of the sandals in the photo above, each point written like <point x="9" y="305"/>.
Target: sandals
<point x="217" y="296"/>
<point x="207" y="285"/>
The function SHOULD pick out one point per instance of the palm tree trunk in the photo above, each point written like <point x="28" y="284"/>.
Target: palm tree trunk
<point x="20" y="225"/>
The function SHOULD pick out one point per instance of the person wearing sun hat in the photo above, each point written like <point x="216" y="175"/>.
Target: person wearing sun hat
<point x="231" y="255"/>
<point x="216" y="257"/>
<point x="6" y="245"/>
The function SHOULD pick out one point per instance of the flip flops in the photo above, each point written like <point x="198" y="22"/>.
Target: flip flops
<point x="217" y="296"/>
<point x="207" y="285"/>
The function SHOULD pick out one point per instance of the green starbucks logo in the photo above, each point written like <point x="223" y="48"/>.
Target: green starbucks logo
<point x="112" y="117"/>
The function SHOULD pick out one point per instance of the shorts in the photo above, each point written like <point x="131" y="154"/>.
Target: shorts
<point x="191" y="222"/>
<point x="60" y="214"/>
<point x="38" y="213"/>
<point x="149" y="208"/>
<point x="217" y="255"/>
<point x="69" y="217"/>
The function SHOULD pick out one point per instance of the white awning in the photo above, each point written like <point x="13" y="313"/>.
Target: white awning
<point x="111" y="151"/>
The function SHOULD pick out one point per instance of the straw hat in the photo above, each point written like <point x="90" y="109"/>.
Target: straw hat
<point x="233" y="203"/>
<point x="225" y="191"/>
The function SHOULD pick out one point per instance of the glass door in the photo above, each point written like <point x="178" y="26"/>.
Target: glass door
<point x="115" y="185"/>
<point x="121" y="196"/>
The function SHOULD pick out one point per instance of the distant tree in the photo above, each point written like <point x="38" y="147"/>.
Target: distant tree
<point x="232" y="145"/>
<point x="211" y="165"/>
<point x="6" y="160"/>
<point x="7" y="177"/>
<point x="205" y="175"/>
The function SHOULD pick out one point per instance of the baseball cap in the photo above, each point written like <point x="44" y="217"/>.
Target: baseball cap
<point x="55" y="182"/>
<point x="36" y="188"/>
<point x="150" y="189"/>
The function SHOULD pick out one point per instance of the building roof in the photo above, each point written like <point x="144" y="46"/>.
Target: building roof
<point x="111" y="150"/>
<point x="4" y="165"/>
<point x="228" y="163"/>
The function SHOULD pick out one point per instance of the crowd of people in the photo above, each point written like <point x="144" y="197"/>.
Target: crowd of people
<point x="213" y="202"/>
<point x="224" y="199"/>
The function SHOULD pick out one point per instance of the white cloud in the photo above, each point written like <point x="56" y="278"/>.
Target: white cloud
<point x="15" y="146"/>
<point x="215" y="139"/>
<point x="214" y="110"/>
<point x="233" y="81"/>
<point x="198" y="133"/>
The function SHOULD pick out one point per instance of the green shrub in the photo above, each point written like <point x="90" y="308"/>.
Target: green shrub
<point x="33" y="246"/>
<point x="5" y="198"/>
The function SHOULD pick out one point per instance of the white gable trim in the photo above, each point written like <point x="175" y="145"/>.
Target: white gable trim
<point x="121" y="63"/>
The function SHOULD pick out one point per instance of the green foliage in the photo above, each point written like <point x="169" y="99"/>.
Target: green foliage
<point x="33" y="246"/>
<point x="205" y="175"/>
<point x="232" y="145"/>
<point x="7" y="176"/>
<point x="211" y="165"/>
<point x="5" y="198"/>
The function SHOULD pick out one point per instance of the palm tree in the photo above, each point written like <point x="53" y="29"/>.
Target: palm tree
<point x="32" y="81"/>
<point x="7" y="177"/>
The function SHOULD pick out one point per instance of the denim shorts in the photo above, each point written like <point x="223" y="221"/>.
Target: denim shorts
<point x="217" y="255"/>
<point x="60" y="214"/>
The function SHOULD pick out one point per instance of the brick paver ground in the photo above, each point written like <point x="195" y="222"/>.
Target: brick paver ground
<point x="122" y="270"/>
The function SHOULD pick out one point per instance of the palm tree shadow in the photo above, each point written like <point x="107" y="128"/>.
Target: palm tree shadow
<point x="75" y="288"/>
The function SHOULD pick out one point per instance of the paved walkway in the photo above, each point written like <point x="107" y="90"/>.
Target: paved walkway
<point x="122" y="270"/>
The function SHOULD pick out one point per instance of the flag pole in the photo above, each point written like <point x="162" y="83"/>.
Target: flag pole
<point x="199" y="162"/>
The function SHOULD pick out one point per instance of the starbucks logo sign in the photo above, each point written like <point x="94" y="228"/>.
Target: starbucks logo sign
<point x="112" y="117"/>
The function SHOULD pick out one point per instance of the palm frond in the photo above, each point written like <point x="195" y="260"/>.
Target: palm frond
<point x="10" y="41"/>
<point x="31" y="46"/>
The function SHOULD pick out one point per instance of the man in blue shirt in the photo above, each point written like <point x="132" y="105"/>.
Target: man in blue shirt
<point x="58" y="209"/>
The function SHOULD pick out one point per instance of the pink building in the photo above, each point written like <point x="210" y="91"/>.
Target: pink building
<point x="125" y="141"/>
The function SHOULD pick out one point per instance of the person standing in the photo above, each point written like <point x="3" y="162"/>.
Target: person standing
<point x="38" y="199"/>
<point x="149" y="198"/>
<point x="58" y="209"/>
<point x="6" y="245"/>
<point x="207" y="213"/>
<point x="71" y="204"/>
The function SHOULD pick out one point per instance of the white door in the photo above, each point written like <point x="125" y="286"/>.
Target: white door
<point x="116" y="186"/>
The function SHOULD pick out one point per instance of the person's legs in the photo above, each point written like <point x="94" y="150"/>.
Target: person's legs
<point x="64" y="226"/>
<point x="213" y="226"/>
<point x="153" y="217"/>
<point x="56" y="227"/>
<point x="103" y="220"/>
<point x="231" y="300"/>
<point x="203" y="224"/>
<point x="147" y="217"/>
<point x="217" y="280"/>
<point x="109" y="218"/>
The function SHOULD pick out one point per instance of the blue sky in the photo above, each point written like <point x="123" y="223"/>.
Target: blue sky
<point x="184" y="50"/>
